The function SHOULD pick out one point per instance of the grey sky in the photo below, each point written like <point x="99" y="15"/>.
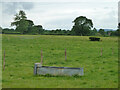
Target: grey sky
<point x="55" y="15"/>
<point x="119" y="12"/>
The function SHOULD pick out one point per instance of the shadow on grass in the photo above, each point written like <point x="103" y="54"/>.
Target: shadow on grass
<point x="48" y="75"/>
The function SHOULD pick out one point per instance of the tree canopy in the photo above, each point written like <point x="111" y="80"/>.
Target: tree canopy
<point x="23" y="25"/>
<point x="82" y="26"/>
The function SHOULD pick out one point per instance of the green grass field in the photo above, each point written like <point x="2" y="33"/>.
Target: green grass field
<point x="22" y="51"/>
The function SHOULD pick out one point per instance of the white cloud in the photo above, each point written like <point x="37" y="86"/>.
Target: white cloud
<point x="119" y="11"/>
<point x="59" y="1"/>
<point x="52" y="15"/>
<point x="0" y="14"/>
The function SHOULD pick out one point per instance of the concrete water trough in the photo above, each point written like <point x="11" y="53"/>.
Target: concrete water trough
<point x="57" y="71"/>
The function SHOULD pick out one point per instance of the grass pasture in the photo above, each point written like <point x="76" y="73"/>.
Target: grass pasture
<point x="22" y="51"/>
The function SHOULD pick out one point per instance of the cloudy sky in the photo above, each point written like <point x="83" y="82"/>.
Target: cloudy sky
<point x="59" y="14"/>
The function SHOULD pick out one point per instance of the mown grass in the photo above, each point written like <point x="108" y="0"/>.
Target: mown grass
<point x="22" y="51"/>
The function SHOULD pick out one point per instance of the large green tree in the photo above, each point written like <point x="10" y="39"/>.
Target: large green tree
<point x="82" y="26"/>
<point x="21" y="22"/>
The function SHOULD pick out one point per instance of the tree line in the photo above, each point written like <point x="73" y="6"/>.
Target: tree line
<point x="82" y="27"/>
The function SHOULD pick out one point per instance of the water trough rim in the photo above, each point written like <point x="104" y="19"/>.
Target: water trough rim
<point x="58" y="67"/>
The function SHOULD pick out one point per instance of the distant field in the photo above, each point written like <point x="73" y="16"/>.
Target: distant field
<point x="22" y="51"/>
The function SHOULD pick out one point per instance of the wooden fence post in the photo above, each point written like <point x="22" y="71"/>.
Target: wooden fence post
<point x="112" y="51"/>
<point x="101" y="51"/>
<point x="4" y="61"/>
<point x="65" y="55"/>
<point x="41" y="57"/>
